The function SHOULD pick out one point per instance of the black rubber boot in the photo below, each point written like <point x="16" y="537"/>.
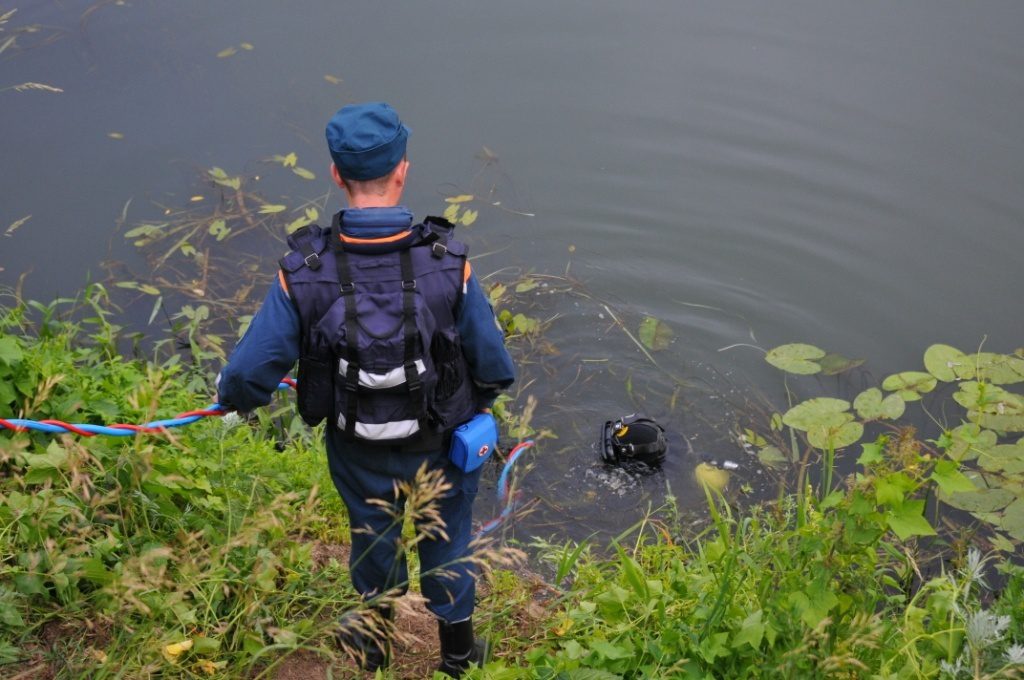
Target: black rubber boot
<point x="459" y="648"/>
<point x="364" y="635"/>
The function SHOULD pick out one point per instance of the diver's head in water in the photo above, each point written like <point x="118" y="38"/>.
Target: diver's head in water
<point x="630" y="440"/>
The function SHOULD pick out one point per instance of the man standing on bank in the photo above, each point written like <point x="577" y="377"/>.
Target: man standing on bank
<point x="397" y="345"/>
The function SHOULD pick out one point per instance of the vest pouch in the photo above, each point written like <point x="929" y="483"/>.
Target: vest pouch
<point x="473" y="442"/>
<point x="315" y="390"/>
<point x="453" y="400"/>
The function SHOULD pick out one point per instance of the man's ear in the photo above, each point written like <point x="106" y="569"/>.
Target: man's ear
<point x="400" y="173"/>
<point x="337" y="177"/>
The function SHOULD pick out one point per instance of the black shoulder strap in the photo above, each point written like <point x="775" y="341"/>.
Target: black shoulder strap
<point x="412" y="375"/>
<point x="347" y="291"/>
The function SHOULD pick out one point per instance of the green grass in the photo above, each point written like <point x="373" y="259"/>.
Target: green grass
<point x="190" y="555"/>
<point x="118" y="548"/>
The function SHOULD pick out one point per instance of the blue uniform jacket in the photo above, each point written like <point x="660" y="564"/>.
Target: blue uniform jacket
<point x="270" y="347"/>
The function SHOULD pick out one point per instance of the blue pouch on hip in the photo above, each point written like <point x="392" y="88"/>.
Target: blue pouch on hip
<point x="474" y="441"/>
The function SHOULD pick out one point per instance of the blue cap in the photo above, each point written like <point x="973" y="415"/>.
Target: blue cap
<point x="366" y="141"/>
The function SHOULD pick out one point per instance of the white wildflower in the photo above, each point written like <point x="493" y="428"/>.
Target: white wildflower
<point x="984" y="628"/>
<point x="1015" y="654"/>
<point x="231" y="420"/>
<point x="974" y="569"/>
<point x="952" y="670"/>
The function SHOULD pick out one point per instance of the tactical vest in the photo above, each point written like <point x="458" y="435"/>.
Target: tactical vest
<point x="380" y="353"/>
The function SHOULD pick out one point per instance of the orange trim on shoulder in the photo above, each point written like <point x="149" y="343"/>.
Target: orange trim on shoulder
<point x="383" y="239"/>
<point x="466" y="273"/>
<point x="284" y="284"/>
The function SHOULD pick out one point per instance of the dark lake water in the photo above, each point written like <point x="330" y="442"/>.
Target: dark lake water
<point x="844" y="174"/>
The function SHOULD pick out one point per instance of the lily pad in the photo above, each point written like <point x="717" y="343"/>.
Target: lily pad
<point x="943" y="361"/>
<point x="982" y="500"/>
<point x="818" y="412"/>
<point x="1013" y="519"/>
<point x="834" y="364"/>
<point x="835" y="436"/>
<point x="910" y="385"/>
<point x="796" y="358"/>
<point x="988" y="398"/>
<point x="1000" y="369"/>
<point x="1002" y="423"/>
<point x="870" y="405"/>
<point x="968" y="441"/>
<point x="1008" y="458"/>
<point x="655" y="334"/>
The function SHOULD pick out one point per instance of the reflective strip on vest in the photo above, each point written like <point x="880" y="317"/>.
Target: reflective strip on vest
<point x="381" y="381"/>
<point x="397" y="429"/>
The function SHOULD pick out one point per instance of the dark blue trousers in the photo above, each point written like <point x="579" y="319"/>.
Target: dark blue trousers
<point x="362" y="472"/>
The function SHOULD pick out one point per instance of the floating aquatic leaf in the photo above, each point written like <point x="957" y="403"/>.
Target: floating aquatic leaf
<point x="834" y="364"/>
<point x="1013" y="519"/>
<point x="312" y="214"/>
<point x="772" y="456"/>
<point x="711" y="476"/>
<point x="468" y="217"/>
<point x="115" y="135"/>
<point x="288" y="161"/>
<point x="910" y="385"/>
<point x="868" y="404"/>
<point x="893" y="407"/>
<point x="220" y="177"/>
<point x="654" y="333"/>
<point x="818" y="412"/>
<point x="303" y="173"/>
<point x="969" y="440"/>
<point x="1008" y="458"/>
<point x="992" y="406"/>
<point x="227" y="52"/>
<point x="271" y="208"/>
<point x="219" y="229"/>
<point x="1002" y="543"/>
<point x="981" y="500"/>
<point x="835" y="436"/>
<point x="333" y="80"/>
<point x="461" y="198"/>
<point x="999" y="369"/>
<point x="196" y="199"/>
<point x="524" y="324"/>
<point x="247" y="46"/>
<point x="451" y="213"/>
<point x="16" y="225"/>
<point x="796" y="358"/>
<point x="526" y="286"/>
<point x="496" y="292"/>
<point x="296" y="224"/>
<point x="944" y="362"/>
<point x="1000" y="422"/>
<point x="975" y="395"/>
